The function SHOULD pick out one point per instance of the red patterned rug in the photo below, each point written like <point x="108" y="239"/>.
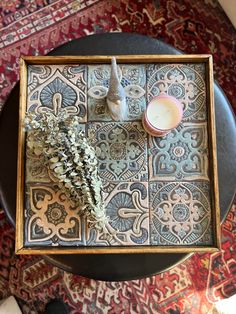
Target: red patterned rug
<point x="36" y="27"/>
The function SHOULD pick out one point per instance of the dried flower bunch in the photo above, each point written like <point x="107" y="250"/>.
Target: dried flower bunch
<point x="70" y="158"/>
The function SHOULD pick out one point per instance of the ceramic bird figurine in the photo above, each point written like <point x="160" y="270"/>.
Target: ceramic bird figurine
<point x="116" y="95"/>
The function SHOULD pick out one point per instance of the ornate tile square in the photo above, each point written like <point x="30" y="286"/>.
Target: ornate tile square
<point x="58" y="87"/>
<point x="180" y="213"/>
<point x="127" y="208"/>
<point x="180" y="155"/>
<point x="133" y="79"/>
<point x="121" y="149"/>
<point x="50" y="218"/>
<point x="186" y="82"/>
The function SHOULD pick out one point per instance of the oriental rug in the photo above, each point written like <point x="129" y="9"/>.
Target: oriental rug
<point x="36" y="27"/>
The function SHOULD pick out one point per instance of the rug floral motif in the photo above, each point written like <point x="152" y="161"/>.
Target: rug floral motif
<point x="35" y="28"/>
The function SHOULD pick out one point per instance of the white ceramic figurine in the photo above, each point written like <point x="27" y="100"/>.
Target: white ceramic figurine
<point x="116" y="95"/>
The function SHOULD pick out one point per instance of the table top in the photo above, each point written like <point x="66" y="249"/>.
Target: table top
<point x="121" y="266"/>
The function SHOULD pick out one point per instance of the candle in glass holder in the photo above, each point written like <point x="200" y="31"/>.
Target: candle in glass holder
<point x="163" y="114"/>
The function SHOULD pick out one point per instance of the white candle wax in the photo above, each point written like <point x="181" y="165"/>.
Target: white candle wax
<point x="163" y="114"/>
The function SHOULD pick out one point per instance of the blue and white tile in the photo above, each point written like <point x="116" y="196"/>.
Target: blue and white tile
<point x="186" y="82"/>
<point x="180" y="213"/>
<point x="121" y="150"/>
<point x="128" y="213"/>
<point x="180" y="155"/>
<point x="55" y="88"/>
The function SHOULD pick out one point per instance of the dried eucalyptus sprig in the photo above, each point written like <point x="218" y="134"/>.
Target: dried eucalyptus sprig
<point x="70" y="158"/>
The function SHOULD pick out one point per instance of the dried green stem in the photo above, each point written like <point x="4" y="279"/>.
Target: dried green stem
<point x="69" y="156"/>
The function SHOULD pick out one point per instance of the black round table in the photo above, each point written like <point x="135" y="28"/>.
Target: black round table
<point x="119" y="266"/>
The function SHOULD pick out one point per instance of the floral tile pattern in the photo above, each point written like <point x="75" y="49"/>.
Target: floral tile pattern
<point x="180" y="213"/>
<point x="155" y="190"/>
<point x="53" y="88"/>
<point x="185" y="82"/>
<point x="181" y="155"/>
<point x="51" y="218"/>
<point x="128" y="212"/>
<point x="133" y="79"/>
<point x="121" y="149"/>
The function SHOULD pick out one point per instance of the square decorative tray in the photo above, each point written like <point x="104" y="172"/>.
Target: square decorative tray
<point x="160" y="194"/>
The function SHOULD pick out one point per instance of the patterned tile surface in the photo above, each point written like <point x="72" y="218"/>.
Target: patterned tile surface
<point x="133" y="79"/>
<point x="52" y="88"/>
<point x="121" y="150"/>
<point x="182" y="154"/>
<point x="51" y="218"/>
<point x="156" y="190"/>
<point x="185" y="82"/>
<point x="180" y="213"/>
<point x="128" y="210"/>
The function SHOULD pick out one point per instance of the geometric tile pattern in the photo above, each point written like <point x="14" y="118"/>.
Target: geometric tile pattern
<point x="181" y="154"/>
<point x="51" y="218"/>
<point x="186" y="82"/>
<point x="51" y="88"/>
<point x="180" y="213"/>
<point x="121" y="149"/>
<point x="155" y="190"/>
<point x="128" y="210"/>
